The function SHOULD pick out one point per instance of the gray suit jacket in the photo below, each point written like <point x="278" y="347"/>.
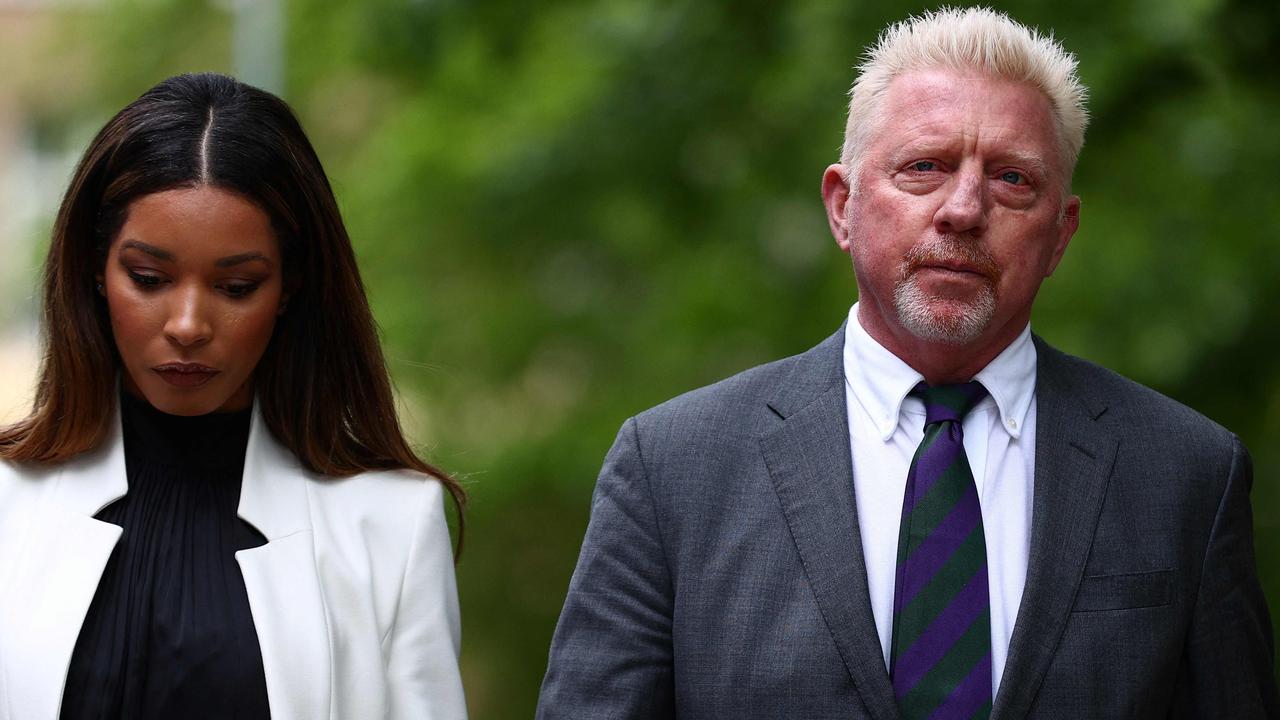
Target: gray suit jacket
<point x="722" y="573"/>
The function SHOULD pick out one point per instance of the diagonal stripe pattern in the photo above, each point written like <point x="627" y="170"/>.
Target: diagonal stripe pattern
<point x="940" y="662"/>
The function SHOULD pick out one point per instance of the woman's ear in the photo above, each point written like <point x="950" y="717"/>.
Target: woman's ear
<point x="102" y="290"/>
<point x="292" y="283"/>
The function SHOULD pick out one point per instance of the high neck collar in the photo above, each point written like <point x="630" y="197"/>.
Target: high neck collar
<point x="212" y="440"/>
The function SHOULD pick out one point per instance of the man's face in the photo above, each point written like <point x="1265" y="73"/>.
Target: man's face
<point x="957" y="213"/>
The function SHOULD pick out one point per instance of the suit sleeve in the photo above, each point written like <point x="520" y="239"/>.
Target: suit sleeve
<point x="422" y="647"/>
<point x="611" y="656"/>
<point x="1230" y="653"/>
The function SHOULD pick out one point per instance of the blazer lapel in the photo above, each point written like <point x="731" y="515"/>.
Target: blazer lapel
<point x="1074" y="456"/>
<point x="52" y="559"/>
<point x="810" y="463"/>
<point x="50" y="563"/>
<point x="282" y="580"/>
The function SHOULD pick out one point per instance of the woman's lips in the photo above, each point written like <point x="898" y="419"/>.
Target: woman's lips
<point x="185" y="374"/>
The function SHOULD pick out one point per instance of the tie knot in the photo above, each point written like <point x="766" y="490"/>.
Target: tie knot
<point x="949" y="402"/>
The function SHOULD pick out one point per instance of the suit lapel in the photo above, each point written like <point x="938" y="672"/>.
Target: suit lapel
<point x="282" y="580"/>
<point x="1074" y="455"/>
<point x="809" y="461"/>
<point x="51" y="560"/>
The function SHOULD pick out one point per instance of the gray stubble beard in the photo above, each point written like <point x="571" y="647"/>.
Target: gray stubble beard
<point x="917" y="315"/>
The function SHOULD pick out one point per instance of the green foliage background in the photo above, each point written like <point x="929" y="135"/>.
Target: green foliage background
<point x="568" y="211"/>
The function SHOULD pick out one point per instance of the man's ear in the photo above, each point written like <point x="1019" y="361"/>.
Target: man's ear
<point x="835" y="197"/>
<point x="1067" y="226"/>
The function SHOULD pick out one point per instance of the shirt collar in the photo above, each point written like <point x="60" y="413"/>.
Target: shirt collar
<point x="1010" y="379"/>
<point x="880" y="380"/>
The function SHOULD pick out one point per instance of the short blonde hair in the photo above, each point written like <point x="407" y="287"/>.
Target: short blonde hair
<point x="969" y="39"/>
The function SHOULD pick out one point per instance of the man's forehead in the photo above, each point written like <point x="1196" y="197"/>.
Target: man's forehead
<point x="938" y="81"/>
<point x="941" y="109"/>
<point x="936" y="88"/>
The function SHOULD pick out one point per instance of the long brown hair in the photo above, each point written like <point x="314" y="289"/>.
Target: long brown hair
<point x="322" y="385"/>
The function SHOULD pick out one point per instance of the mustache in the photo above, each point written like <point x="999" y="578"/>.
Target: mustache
<point x="950" y="249"/>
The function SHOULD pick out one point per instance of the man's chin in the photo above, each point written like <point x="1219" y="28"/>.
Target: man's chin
<point x="944" y="321"/>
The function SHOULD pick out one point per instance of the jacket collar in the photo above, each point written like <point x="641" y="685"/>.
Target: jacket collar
<point x="1075" y="451"/>
<point x="52" y="559"/>
<point x="808" y="459"/>
<point x="95" y="479"/>
<point x="272" y="495"/>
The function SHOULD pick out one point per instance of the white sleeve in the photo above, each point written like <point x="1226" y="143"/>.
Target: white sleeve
<point x="423" y="644"/>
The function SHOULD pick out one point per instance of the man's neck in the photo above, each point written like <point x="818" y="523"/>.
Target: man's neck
<point x="943" y="363"/>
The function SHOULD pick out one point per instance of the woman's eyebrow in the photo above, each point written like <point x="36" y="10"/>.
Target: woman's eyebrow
<point x="151" y="250"/>
<point x="241" y="258"/>
<point x="159" y="254"/>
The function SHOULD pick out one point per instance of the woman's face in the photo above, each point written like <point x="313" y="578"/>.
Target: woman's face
<point x="194" y="286"/>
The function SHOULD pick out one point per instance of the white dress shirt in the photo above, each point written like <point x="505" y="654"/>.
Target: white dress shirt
<point x="885" y="428"/>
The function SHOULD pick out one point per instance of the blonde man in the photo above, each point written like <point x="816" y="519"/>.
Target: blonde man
<point x="933" y="513"/>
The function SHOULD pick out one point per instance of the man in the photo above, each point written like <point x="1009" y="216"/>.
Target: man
<point x="933" y="513"/>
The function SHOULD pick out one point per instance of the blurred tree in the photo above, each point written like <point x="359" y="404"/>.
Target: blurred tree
<point x="570" y="211"/>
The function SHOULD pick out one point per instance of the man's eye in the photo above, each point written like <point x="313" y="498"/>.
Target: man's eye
<point x="1013" y="178"/>
<point x="924" y="165"/>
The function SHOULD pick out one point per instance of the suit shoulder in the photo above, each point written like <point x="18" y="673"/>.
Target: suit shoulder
<point x="393" y="501"/>
<point x="730" y="400"/>
<point x="21" y="479"/>
<point x="379" y="486"/>
<point x="392" y="480"/>
<point x="9" y="471"/>
<point x="741" y="407"/>
<point x="1134" y="404"/>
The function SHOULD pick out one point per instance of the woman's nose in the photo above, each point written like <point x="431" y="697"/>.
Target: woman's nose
<point x="187" y="324"/>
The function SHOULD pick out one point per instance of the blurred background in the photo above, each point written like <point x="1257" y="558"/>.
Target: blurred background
<point x="568" y="211"/>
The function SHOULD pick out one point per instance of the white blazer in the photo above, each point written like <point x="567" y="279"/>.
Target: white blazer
<point x="353" y="596"/>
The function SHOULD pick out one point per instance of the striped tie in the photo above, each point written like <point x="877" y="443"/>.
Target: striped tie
<point x="941" y="658"/>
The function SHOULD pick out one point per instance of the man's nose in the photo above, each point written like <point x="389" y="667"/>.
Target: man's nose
<point x="964" y="209"/>
<point x="188" y="324"/>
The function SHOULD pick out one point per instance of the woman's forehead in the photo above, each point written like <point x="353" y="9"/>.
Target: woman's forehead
<point x="201" y="223"/>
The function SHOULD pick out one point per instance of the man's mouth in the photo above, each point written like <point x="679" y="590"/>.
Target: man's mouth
<point x="950" y="266"/>
<point x="951" y="257"/>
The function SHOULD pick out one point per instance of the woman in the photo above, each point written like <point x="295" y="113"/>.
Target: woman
<point x="211" y="510"/>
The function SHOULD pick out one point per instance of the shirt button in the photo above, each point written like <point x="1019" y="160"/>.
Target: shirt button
<point x="1013" y="424"/>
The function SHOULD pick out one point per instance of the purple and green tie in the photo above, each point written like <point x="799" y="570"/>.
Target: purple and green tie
<point x="940" y="663"/>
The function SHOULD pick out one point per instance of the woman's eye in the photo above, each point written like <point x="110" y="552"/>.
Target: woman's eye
<point x="924" y="165"/>
<point x="145" y="282"/>
<point x="239" y="290"/>
<point x="1013" y="177"/>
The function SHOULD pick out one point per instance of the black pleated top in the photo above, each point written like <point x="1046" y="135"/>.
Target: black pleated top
<point x="169" y="633"/>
